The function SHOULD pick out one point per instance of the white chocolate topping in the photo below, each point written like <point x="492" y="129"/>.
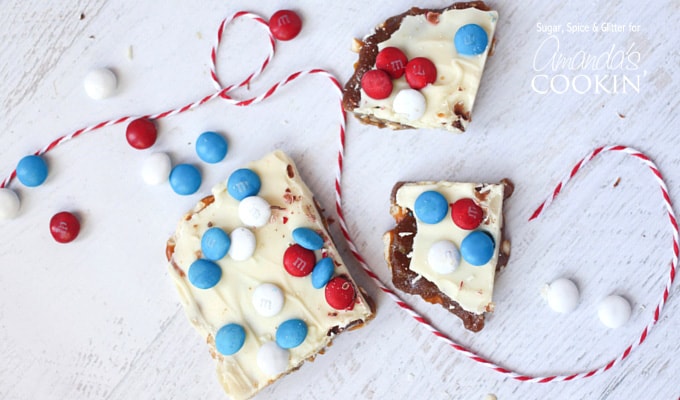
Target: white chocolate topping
<point x="458" y="76"/>
<point x="231" y="300"/>
<point x="470" y="286"/>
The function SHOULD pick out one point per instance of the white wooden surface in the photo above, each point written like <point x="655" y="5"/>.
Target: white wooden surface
<point x="99" y="319"/>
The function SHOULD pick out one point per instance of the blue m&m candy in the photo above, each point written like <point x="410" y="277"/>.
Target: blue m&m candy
<point x="32" y="171"/>
<point x="211" y="147"/>
<point x="291" y="333"/>
<point x="322" y="272"/>
<point x="230" y="338"/>
<point x="243" y="183"/>
<point x="477" y="248"/>
<point x="431" y="207"/>
<point x="308" y="238"/>
<point x="185" y="179"/>
<point x="471" y="40"/>
<point x="215" y="244"/>
<point x="204" y="274"/>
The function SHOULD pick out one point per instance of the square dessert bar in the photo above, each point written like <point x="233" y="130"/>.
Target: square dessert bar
<point x="422" y="68"/>
<point x="260" y="277"/>
<point x="447" y="244"/>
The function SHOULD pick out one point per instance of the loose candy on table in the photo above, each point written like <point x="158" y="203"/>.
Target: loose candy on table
<point x="229" y="339"/>
<point x="100" y="83"/>
<point x="377" y="84"/>
<point x="254" y="211"/>
<point x="411" y="103"/>
<point x="614" y="311"/>
<point x="243" y="183"/>
<point x="215" y="244"/>
<point x="420" y="72"/>
<point x="340" y="293"/>
<point x="272" y="359"/>
<point x="291" y="333"/>
<point x="392" y="60"/>
<point x="466" y="214"/>
<point x="242" y="244"/>
<point x="471" y="40"/>
<point x="211" y="147"/>
<point x="443" y="257"/>
<point x="285" y="25"/>
<point x="562" y="295"/>
<point x="141" y="133"/>
<point x="9" y="204"/>
<point x="156" y="168"/>
<point x="298" y="261"/>
<point x="431" y="207"/>
<point x="307" y="238"/>
<point x="185" y="179"/>
<point x="322" y="272"/>
<point x="268" y="299"/>
<point x="32" y="170"/>
<point x="204" y="274"/>
<point x="477" y="248"/>
<point x="64" y="227"/>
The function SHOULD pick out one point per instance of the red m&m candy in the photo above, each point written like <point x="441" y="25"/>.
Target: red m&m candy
<point x="141" y="133"/>
<point x="420" y="72"/>
<point x="299" y="261"/>
<point x="64" y="227"/>
<point x="340" y="293"/>
<point x="391" y="60"/>
<point x="377" y="84"/>
<point x="285" y="25"/>
<point x="466" y="214"/>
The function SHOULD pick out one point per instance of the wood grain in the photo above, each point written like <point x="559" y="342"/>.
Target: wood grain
<point x="99" y="319"/>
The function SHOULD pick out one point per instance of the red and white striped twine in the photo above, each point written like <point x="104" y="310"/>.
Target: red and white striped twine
<point x="213" y="52"/>
<point x="223" y="92"/>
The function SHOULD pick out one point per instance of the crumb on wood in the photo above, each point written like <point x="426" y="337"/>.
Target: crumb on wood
<point x="356" y="45"/>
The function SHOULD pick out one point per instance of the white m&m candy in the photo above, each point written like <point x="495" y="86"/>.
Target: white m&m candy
<point x="411" y="103"/>
<point x="156" y="168"/>
<point x="443" y="257"/>
<point x="267" y="299"/>
<point x="100" y="83"/>
<point x="242" y="244"/>
<point x="562" y="295"/>
<point x="272" y="359"/>
<point x="614" y="311"/>
<point x="254" y="211"/>
<point x="9" y="204"/>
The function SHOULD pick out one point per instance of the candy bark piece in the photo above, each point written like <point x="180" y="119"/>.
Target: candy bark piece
<point x="427" y="33"/>
<point x="465" y="290"/>
<point x="257" y="363"/>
